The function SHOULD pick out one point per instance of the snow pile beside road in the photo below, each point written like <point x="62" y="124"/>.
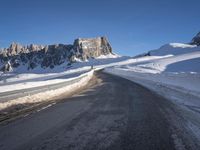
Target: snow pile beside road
<point x="179" y="72"/>
<point x="50" y="94"/>
<point x="38" y="82"/>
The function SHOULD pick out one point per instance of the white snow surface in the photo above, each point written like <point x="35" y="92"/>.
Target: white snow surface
<point x="23" y="79"/>
<point x="50" y="94"/>
<point x="178" y="70"/>
<point x="174" y="49"/>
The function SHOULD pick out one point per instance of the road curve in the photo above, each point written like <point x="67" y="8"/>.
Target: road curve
<point x="115" y="114"/>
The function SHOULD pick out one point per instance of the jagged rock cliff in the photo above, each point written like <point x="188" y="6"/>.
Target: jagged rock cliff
<point x="86" y="48"/>
<point x="196" y="40"/>
<point x="33" y="56"/>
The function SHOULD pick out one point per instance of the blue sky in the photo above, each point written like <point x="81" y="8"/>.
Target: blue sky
<point x="132" y="26"/>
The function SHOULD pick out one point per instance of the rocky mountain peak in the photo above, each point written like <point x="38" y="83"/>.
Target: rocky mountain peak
<point x="34" y="55"/>
<point x="14" y="48"/>
<point x="92" y="47"/>
<point x="196" y="40"/>
<point x="34" y="47"/>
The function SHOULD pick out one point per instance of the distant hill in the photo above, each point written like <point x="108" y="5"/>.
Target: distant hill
<point x="176" y="48"/>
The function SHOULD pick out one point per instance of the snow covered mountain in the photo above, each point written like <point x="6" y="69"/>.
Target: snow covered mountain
<point x="50" y="56"/>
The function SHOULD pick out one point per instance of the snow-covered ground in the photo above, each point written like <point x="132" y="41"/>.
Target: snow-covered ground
<point x="159" y="68"/>
<point x="178" y="69"/>
<point x="49" y="94"/>
<point x="23" y="79"/>
<point x="174" y="49"/>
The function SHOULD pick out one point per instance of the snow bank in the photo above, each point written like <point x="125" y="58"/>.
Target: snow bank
<point x="180" y="73"/>
<point x="49" y="95"/>
<point x="38" y="82"/>
<point x="183" y="81"/>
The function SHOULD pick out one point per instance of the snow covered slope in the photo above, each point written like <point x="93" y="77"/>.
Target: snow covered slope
<point x="181" y="71"/>
<point x="174" y="49"/>
<point x="38" y="77"/>
<point x="35" y="65"/>
<point x="187" y="62"/>
<point x="174" y="74"/>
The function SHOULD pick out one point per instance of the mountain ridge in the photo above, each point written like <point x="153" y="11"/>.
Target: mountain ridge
<point x="50" y="56"/>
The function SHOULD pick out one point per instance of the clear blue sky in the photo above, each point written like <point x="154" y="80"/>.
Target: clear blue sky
<point x="132" y="26"/>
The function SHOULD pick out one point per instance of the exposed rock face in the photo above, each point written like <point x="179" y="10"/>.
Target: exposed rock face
<point x="33" y="55"/>
<point x="17" y="49"/>
<point x="7" y="67"/>
<point x="86" y="48"/>
<point x="196" y="40"/>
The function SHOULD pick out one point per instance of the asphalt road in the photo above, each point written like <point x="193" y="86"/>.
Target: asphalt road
<point x="113" y="114"/>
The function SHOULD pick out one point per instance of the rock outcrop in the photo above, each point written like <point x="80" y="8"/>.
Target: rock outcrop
<point x="32" y="56"/>
<point x="196" y="40"/>
<point x="6" y="67"/>
<point x="86" y="48"/>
